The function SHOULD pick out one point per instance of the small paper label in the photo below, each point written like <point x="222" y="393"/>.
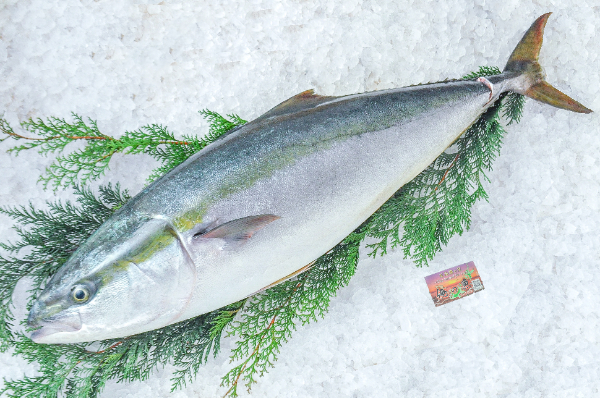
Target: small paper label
<point x="454" y="283"/>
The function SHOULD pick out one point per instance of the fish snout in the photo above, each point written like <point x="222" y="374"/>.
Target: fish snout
<point x="36" y="315"/>
<point x="43" y="313"/>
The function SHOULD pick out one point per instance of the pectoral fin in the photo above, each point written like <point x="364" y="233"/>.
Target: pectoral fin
<point x="240" y="230"/>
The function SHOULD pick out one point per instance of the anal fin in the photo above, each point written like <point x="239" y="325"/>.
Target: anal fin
<point x="285" y="278"/>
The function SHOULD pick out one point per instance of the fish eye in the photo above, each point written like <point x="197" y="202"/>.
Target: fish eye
<point x="80" y="294"/>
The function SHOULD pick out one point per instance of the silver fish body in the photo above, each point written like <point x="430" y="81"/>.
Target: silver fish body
<point x="255" y="206"/>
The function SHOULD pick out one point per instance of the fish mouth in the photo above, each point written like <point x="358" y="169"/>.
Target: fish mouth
<point x="59" y="330"/>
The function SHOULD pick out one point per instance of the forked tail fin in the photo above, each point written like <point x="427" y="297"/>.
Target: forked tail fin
<point x="524" y="62"/>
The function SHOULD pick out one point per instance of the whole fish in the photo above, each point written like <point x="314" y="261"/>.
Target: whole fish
<point x="260" y="204"/>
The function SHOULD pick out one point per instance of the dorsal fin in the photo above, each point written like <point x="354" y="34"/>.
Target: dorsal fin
<point x="299" y="102"/>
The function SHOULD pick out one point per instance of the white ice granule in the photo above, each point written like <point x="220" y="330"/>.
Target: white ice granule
<point x="534" y="330"/>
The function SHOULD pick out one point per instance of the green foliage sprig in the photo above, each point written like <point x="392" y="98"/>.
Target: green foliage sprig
<point x="48" y="237"/>
<point x="84" y="165"/>
<point x="269" y="319"/>
<point x="430" y="209"/>
<point x="76" y="370"/>
<point x="426" y="212"/>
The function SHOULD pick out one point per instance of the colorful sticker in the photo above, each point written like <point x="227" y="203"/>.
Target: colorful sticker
<point x="454" y="283"/>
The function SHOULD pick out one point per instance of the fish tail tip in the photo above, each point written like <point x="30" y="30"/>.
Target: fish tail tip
<point x="528" y="49"/>
<point x="547" y="94"/>
<point x="524" y="62"/>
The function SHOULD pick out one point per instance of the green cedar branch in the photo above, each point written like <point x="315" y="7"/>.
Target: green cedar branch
<point x="269" y="318"/>
<point x="48" y="239"/>
<point x="426" y="212"/>
<point x="438" y="200"/>
<point x="77" y="371"/>
<point x="92" y="161"/>
<point x="51" y="237"/>
<point x="81" y="370"/>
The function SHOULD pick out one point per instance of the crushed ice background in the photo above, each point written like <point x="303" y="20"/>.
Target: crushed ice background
<point x="533" y="332"/>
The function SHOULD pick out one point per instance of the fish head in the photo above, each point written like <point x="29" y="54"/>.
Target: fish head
<point x="124" y="280"/>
